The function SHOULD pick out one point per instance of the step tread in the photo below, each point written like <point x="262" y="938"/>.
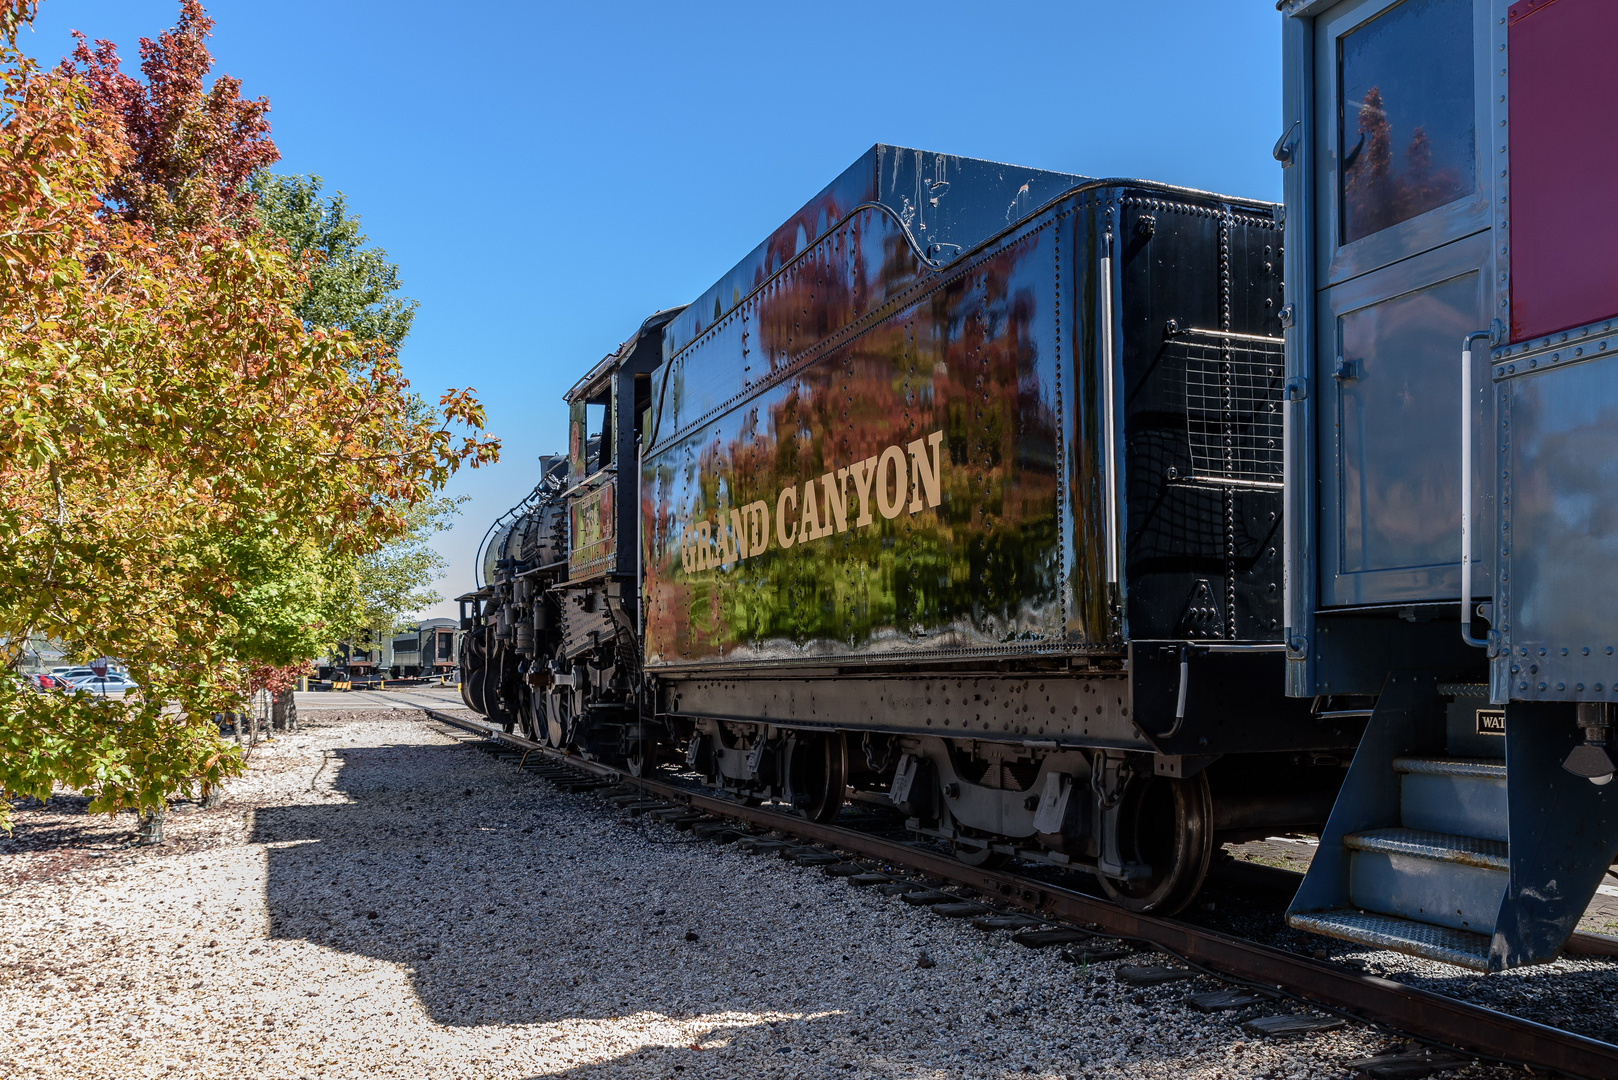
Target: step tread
<point x="1437" y="846"/>
<point x="1481" y="768"/>
<point x="1458" y="947"/>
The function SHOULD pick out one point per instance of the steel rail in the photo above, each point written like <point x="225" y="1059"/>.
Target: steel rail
<point x="1448" y="1021"/>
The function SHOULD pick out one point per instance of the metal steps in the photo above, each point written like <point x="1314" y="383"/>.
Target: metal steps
<point x="1418" y="853"/>
<point x="1440" y="943"/>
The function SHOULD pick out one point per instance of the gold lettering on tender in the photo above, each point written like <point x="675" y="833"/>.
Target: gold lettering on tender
<point x="757" y="517"/>
<point x="738" y="532"/>
<point x="704" y="539"/>
<point x="863" y="473"/>
<point x="892" y="462"/>
<point x="688" y="555"/>
<point x="809" y="527"/>
<point x="836" y="485"/>
<point x="783" y="534"/>
<point x="730" y="539"/>
<point x="924" y="473"/>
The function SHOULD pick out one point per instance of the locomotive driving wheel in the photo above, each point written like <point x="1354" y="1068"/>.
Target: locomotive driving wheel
<point x="1165" y="824"/>
<point x="534" y="723"/>
<point x="558" y="717"/>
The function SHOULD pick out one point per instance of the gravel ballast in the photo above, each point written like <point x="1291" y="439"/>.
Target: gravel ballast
<point x="377" y="898"/>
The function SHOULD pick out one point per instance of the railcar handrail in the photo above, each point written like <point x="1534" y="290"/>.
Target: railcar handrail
<point x="1466" y="489"/>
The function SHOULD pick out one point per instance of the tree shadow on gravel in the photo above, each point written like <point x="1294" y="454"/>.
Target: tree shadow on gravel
<point x="508" y="903"/>
<point x="495" y="893"/>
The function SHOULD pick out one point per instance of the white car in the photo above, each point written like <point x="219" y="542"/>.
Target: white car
<point x="112" y="685"/>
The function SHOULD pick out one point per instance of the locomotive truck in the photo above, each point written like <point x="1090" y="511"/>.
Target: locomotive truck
<point x="963" y="488"/>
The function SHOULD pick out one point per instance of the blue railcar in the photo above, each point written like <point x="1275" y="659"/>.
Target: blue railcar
<point x="1452" y="443"/>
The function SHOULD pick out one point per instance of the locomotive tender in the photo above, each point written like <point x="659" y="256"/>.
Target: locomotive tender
<point x="1452" y="325"/>
<point x="963" y="491"/>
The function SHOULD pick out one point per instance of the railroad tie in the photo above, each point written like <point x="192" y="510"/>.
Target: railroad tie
<point x="899" y="888"/>
<point x="1045" y="939"/>
<point x="865" y="880"/>
<point x="1006" y="922"/>
<point x="964" y="909"/>
<point x="927" y="897"/>
<point x="1097" y="954"/>
<point x="1292" y="1024"/>
<point x="1153" y="975"/>
<point x="843" y="869"/>
<point x="1225" y="1000"/>
<point x="1409" y="1063"/>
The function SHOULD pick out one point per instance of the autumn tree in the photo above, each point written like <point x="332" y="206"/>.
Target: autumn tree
<point x="172" y="435"/>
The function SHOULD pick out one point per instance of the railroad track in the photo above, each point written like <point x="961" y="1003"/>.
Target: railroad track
<point x="1439" y="1022"/>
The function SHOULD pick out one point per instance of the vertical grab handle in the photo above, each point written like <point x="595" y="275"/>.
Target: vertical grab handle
<point x="1109" y="406"/>
<point x="1466" y="490"/>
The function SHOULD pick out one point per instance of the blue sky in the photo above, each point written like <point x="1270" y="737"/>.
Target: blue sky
<point x="546" y="175"/>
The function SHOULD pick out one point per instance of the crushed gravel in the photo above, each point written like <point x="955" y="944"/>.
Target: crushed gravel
<point x="378" y="898"/>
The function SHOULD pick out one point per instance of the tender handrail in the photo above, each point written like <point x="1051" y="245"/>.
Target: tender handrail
<point x="1109" y="405"/>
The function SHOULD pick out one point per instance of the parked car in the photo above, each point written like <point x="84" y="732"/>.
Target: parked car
<point x="43" y="680"/>
<point x="64" y="676"/>
<point x="113" y="683"/>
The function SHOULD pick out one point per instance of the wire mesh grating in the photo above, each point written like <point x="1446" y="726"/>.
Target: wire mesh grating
<point x="1233" y="406"/>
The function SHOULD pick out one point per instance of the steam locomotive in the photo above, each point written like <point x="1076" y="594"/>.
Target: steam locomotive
<point x="1036" y="505"/>
<point x="857" y="519"/>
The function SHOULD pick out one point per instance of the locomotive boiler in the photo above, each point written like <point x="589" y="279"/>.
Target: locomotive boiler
<point x="963" y="491"/>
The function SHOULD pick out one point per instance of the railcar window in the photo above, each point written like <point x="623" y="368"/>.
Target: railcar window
<point x="1406" y="120"/>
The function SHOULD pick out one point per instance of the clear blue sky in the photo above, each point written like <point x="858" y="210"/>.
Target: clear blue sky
<point x="548" y="174"/>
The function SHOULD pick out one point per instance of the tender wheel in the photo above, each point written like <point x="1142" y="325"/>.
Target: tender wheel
<point x="645" y="759"/>
<point x="818" y="776"/>
<point x="1166" y="824"/>
<point x="983" y="857"/>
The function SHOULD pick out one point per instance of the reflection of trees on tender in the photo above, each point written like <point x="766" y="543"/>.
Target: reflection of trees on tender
<point x="1375" y="195"/>
<point x="970" y="359"/>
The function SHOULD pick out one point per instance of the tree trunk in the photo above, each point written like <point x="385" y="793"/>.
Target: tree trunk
<point x="284" y="713"/>
<point x="149" y="831"/>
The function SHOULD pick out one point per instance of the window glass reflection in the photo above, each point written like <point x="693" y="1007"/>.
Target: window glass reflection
<point x="1408" y="135"/>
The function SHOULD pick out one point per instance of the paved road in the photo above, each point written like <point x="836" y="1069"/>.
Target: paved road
<point x="415" y="697"/>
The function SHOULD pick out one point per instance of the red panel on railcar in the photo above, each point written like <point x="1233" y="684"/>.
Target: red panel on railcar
<point x="1564" y="164"/>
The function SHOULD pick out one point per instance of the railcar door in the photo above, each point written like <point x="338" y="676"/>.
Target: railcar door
<point x="1403" y="272"/>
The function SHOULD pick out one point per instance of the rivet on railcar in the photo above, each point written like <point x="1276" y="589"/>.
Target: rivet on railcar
<point x="1452" y="416"/>
<point x="961" y="494"/>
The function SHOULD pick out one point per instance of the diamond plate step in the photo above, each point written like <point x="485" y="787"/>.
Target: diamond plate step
<point x="1458" y="947"/>
<point x="1439" y="847"/>
<point x="1459" y="796"/>
<point x="1478" y="768"/>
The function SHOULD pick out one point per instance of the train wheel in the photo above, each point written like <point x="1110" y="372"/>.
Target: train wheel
<point x="819" y="775"/>
<point x="556" y="724"/>
<point x="1166" y="824"/>
<point x="472" y="691"/>
<point x="533" y="716"/>
<point x="645" y="759"/>
<point x="983" y="856"/>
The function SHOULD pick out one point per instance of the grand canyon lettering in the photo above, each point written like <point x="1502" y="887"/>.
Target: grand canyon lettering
<point x="902" y="478"/>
